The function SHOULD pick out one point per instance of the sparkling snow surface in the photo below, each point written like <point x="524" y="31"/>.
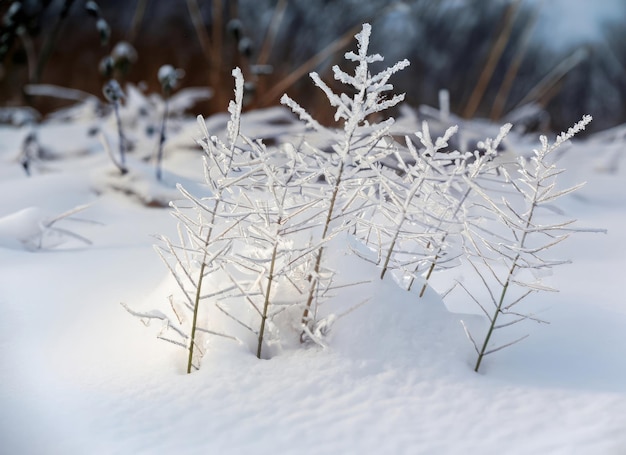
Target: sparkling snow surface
<point x="79" y="375"/>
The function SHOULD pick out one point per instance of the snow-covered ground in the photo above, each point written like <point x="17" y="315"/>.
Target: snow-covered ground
<point x="79" y="375"/>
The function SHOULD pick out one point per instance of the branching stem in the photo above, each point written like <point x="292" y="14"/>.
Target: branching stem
<point x="266" y="304"/>
<point x="483" y="350"/>
<point x="159" y="157"/>
<point x="121" y="138"/>
<point x="314" y="278"/>
<point x="196" y="304"/>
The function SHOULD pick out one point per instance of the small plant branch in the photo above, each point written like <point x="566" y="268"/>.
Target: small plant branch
<point x="522" y="249"/>
<point x="114" y="95"/>
<point x="472" y="173"/>
<point x="494" y="318"/>
<point x="196" y="301"/>
<point x="266" y="303"/>
<point x="494" y="56"/>
<point x="107" y="147"/>
<point x="293" y="77"/>
<point x="51" y="41"/>
<point x="121" y="140"/>
<point x="138" y="16"/>
<point x="354" y="148"/>
<point x="314" y="277"/>
<point x="159" y="158"/>
<point x="272" y="30"/>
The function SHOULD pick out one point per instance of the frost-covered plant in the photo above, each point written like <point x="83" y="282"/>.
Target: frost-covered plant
<point x="202" y="245"/>
<point x="269" y="262"/>
<point x="201" y="238"/>
<point x="355" y="149"/>
<point x="469" y="168"/>
<point x="416" y="224"/>
<point x="402" y="225"/>
<point x="509" y="258"/>
<point x="34" y="229"/>
<point x="252" y="260"/>
<point x="235" y="252"/>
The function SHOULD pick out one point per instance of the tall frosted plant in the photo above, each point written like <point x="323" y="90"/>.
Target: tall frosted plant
<point x="410" y="207"/>
<point x="208" y="228"/>
<point x="267" y="263"/>
<point x="511" y="258"/>
<point x="240" y="251"/>
<point x="354" y="149"/>
<point x="470" y="168"/>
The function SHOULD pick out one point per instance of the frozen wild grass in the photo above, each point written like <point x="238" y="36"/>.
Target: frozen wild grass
<point x="251" y="260"/>
<point x="410" y="214"/>
<point x="511" y="259"/>
<point x="415" y="224"/>
<point x="204" y="243"/>
<point x="472" y="168"/>
<point x="34" y="229"/>
<point x="236" y="247"/>
<point x="356" y="149"/>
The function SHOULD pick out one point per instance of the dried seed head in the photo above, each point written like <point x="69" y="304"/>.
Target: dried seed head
<point x="235" y="28"/>
<point x="245" y="47"/>
<point x="113" y="92"/>
<point x="168" y="77"/>
<point x="103" y="30"/>
<point x="124" y="53"/>
<point x="106" y="67"/>
<point x="92" y="9"/>
<point x="12" y="15"/>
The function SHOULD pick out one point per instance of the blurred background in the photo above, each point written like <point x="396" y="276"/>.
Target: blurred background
<point x="559" y="58"/>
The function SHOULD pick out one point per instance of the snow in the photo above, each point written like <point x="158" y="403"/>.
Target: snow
<point x="80" y="375"/>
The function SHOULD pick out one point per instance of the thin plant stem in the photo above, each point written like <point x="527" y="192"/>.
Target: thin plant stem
<point x="159" y="157"/>
<point x="511" y="73"/>
<point x="318" y="260"/>
<point x="494" y="56"/>
<point x="402" y="217"/>
<point x="429" y="273"/>
<point x="135" y="25"/>
<point x="196" y="304"/>
<point x="29" y="49"/>
<point x="266" y="303"/>
<point x="541" y="91"/>
<point x="284" y="84"/>
<point x="307" y="66"/>
<point x="198" y="25"/>
<point x="505" y="287"/>
<point x="121" y="138"/>
<point x="438" y="254"/>
<point x="272" y="30"/>
<point x="51" y="40"/>
<point x="207" y="49"/>
<point x="217" y="28"/>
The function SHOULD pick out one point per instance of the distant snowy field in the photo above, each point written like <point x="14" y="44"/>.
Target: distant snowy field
<point x="79" y="375"/>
